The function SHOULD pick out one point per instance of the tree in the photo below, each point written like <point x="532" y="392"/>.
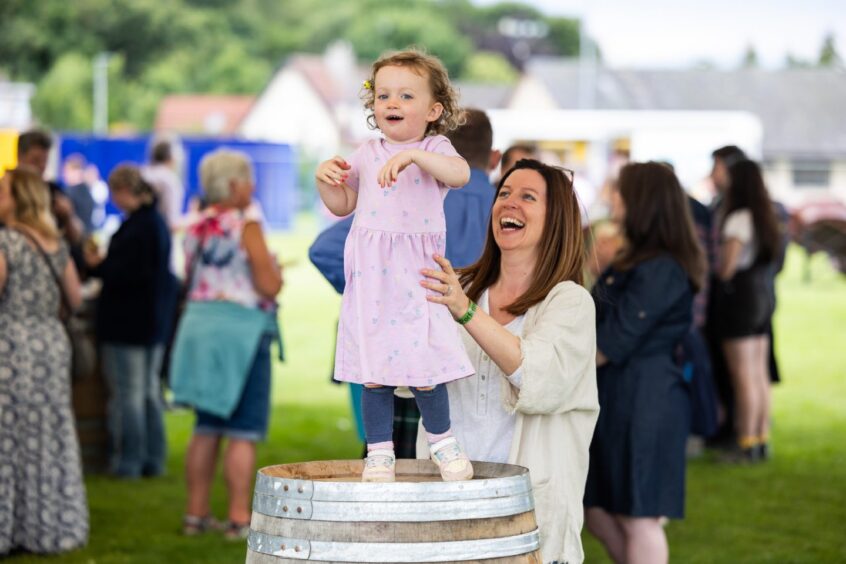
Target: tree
<point x="828" y="53"/>
<point x="517" y="31"/>
<point x="793" y="62"/>
<point x="398" y="28"/>
<point x="34" y="35"/>
<point x="564" y="36"/>
<point x="232" y="46"/>
<point x="750" y="58"/>
<point x="493" y="14"/>
<point x="485" y="66"/>
<point x="63" y="99"/>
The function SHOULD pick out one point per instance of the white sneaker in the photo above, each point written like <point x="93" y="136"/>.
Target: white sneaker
<point x="379" y="466"/>
<point x="451" y="460"/>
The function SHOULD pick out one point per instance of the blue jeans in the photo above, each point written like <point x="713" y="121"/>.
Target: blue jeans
<point x="135" y="411"/>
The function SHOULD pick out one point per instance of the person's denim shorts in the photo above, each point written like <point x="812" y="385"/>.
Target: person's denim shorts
<point x="250" y="419"/>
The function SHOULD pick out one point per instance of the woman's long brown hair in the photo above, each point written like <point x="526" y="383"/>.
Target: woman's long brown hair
<point x="561" y="250"/>
<point x="747" y="191"/>
<point x="658" y="220"/>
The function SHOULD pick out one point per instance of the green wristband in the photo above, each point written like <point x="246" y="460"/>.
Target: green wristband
<point x="465" y="319"/>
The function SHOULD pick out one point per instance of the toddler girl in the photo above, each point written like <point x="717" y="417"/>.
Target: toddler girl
<point x="389" y="335"/>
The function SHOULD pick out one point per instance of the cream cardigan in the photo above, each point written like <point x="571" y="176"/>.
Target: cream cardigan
<point x="556" y="409"/>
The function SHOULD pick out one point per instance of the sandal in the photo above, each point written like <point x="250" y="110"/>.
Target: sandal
<point x="233" y="531"/>
<point x="193" y="525"/>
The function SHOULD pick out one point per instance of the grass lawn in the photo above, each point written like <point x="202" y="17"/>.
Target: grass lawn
<point x="792" y="509"/>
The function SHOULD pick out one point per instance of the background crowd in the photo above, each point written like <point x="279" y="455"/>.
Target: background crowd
<point x="684" y="297"/>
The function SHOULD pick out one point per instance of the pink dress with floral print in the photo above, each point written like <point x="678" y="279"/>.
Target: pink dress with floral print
<point x="389" y="333"/>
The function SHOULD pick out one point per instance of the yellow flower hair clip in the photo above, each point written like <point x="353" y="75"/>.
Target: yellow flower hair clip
<point x="367" y="85"/>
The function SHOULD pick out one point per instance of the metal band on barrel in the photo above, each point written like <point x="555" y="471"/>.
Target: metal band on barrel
<point x="300" y="549"/>
<point x="397" y="491"/>
<point x="382" y="511"/>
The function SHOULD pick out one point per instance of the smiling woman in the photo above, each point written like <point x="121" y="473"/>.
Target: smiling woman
<point x="533" y="399"/>
<point x="519" y="210"/>
<point x="535" y="223"/>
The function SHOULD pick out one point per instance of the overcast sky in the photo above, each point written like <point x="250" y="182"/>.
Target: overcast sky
<point x="666" y="33"/>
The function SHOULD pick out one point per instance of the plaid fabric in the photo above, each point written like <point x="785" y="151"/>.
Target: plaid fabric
<point x="406" y="416"/>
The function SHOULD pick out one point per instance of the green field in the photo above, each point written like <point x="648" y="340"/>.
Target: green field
<point x="792" y="509"/>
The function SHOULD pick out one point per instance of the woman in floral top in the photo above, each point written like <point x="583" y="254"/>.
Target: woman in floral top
<point x="221" y="363"/>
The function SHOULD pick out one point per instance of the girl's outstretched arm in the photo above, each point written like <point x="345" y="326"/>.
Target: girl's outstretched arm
<point x="452" y="171"/>
<point x="330" y="177"/>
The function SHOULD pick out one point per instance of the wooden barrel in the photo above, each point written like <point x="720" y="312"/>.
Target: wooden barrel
<point x="321" y="511"/>
<point x="90" y="396"/>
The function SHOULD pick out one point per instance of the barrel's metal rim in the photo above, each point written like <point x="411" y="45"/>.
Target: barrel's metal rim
<point x="393" y="491"/>
<point x="301" y="549"/>
<point x="381" y="511"/>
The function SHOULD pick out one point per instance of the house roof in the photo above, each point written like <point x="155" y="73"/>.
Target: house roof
<point x="316" y="73"/>
<point x="337" y="82"/>
<point x="802" y="110"/>
<point x="333" y="87"/>
<point x="482" y="96"/>
<point x="338" y="87"/>
<point x="200" y="113"/>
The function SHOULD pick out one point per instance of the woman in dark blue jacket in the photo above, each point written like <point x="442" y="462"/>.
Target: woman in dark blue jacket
<point x="133" y="315"/>
<point x="643" y="311"/>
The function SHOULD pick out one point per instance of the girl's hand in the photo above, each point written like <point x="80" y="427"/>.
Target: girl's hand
<point x="446" y="282"/>
<point x="395" y="165"/>
<point x="333" y="172"/>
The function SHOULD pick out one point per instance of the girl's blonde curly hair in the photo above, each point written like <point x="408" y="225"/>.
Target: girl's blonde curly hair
<point x="442" y="91"/>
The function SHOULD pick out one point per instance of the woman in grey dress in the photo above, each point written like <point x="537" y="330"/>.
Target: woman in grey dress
<point x="43" y="508"/>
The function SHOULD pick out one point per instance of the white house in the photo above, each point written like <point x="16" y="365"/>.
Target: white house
<point x="314" y="102"/>
<point x="311" y="102"/>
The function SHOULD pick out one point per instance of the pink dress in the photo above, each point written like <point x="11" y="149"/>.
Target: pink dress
<point x="389" y="333"/>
